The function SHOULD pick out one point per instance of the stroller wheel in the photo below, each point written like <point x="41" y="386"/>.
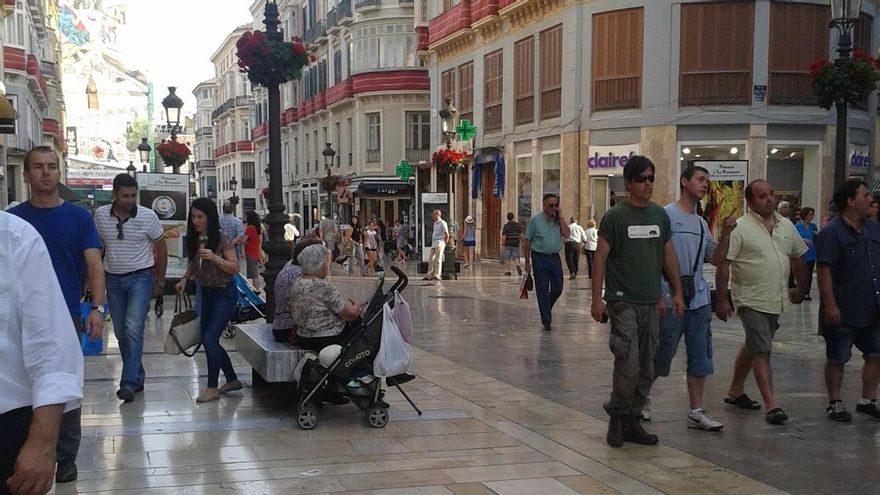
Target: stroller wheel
<point x="230" y="330"/>
<point x="377" y="416"/>
<point x="307" y="417"/>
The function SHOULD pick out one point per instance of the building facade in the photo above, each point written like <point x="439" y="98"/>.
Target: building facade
<point x="203" y="144"/>
<point x="562" y="90"/>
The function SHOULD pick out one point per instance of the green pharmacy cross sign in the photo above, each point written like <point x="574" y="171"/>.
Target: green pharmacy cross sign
<point x="465" y="130"/>
<point x="403" y="170"/>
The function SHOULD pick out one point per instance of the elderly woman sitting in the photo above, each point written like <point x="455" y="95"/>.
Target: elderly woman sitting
<point x="284" y="325"/>
<point x="318" y="308"/>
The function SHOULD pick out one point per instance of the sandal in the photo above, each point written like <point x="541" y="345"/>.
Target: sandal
<point x="742" y="401"/>
<point x="777" y="416"/>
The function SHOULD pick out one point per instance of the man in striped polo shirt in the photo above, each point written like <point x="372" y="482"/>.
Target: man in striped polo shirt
<point x="127" y="231"/>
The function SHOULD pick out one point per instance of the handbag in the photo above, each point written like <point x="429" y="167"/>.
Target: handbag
<point x="688" y="284"/>
<point x="403" y="317"/>
<point x="186" y="329"/>
<point x="395" y="355"/>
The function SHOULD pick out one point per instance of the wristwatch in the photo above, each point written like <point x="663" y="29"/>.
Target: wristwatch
<point x="99" y="309"/>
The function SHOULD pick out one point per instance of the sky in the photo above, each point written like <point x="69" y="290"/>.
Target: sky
<point x="195" y="27"/>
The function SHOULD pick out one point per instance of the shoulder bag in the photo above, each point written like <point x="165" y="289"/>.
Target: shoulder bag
<point x="186" y="329"/>
<point x="688" y="284"/>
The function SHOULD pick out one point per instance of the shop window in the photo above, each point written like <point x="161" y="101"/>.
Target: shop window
<point x="465" y="103"/>
<point x="793" y="171"/>
<point x="798" y="37"/>
<point x="550" y="169"/>
<point x="716" y="53"/>
<point x="551" y="72"/>
<point x="524" y="188"/>
<point x="492" y="77"/>
<point x="617" y="59"/>
<point x="524" y="81"/>
<point x="447" y="86"/>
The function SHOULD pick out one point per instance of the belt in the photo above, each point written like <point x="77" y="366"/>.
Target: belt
<point x="130" y="273"/>
<point x="538" y="253"/>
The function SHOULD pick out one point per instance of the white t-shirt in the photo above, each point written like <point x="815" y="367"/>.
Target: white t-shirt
<point x="440" y="228"/>
<point x="134" y="251"/>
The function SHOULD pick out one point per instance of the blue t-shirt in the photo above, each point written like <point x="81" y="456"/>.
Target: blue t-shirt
<point x="67" y="230"/>
<point x="808" y="234"/>
<point x="686" y="228"/>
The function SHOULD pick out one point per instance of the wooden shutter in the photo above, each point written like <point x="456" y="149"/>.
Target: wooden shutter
<point x="447" y="86"/>
<point x="716" y="53"/>
<point x="524" y="81"/>
<point x="492" y="81"/>
<point x="617" y="59"/>
<point x="551" y="72"/>
<point x="862" y="34"/>
<point x="798" y="37"/>
<point x="466" y="91"/>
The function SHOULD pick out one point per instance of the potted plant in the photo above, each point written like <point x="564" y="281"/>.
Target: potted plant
<point x="448" y="161"/>
<point x="847" y="81"/>
<point x="267" y="62"/>
<point x="173" y="152"/>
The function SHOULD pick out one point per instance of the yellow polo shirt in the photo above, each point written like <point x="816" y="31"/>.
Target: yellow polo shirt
<point x="760" y="262"/>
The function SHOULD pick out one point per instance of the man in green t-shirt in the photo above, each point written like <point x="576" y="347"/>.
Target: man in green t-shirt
<point x="633" y="251"/>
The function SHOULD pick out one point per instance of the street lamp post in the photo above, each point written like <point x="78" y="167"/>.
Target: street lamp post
<point x="233" y="184"/>
<point x="844" y="15"/>
<point x="173" y="104"/>
<point x="328" y="164"/>
<point x="448" y="116"/>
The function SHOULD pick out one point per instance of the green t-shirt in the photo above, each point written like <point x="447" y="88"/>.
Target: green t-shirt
<point x="635" y="263"/>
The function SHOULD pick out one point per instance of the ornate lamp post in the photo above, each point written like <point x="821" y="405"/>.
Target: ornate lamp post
<point x="448" y="116"/>
<point x="328" y="164"/>
<point x="131" y="169"/>
<point x="173" y="104"/>
<point x="844" y="15"/>
<point x="233" y="184"/>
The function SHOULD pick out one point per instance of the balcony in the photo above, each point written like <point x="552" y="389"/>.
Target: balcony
<point x="481" y="9"/>
<point x="417" y="156"/>
<point x="315" y="32"/>
<point x="449" y="22"/>
<point x="366" y="4"/>
<point x="231" y="103"/>
<point x="331" y="18"/>
<point x="204" y="132"/>
<point x="339" y="92"/>
<point x="291" y="115"/>
<point x="320" y="102"/>
<point x="374" y="156"/>
<point x="14" y="58"/>
<point x="233" y="147"/>
<point x="343" y="11"/>
<point x="259" y="131"/>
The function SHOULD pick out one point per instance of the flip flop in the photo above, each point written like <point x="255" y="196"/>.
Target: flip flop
<point x="777" y="416"/>
<point x="742" y="401"/>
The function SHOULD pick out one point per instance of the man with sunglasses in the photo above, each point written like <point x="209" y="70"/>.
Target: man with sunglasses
<point x="634" y="249"/>
<point x="128" y="232"/>
<point x="541" y="244"/>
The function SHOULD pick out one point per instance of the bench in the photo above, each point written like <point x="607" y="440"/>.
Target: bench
<point x="272" y="361"/>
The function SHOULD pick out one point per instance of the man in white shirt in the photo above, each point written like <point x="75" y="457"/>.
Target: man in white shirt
<point x="573" y="245"/>
<point x="42" y="361"/>
<point x="439" y="238"/>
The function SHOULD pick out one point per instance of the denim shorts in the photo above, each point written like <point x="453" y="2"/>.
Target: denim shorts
<point x="510" y="253"/>
<point x="839" y="340"/>
<point x="694" y="325"/>
<point x="469" y="243"/>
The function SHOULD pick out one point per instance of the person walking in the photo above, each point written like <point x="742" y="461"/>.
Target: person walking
<point x="128" y="232"/>
<point x="468" y="238"/>
<point x="511" y="242"/>
<point x="371" y="247"/>
<point x="591" y="241"/>
<point x="573" y="245"/>
<point x="328" y="231"/>
<point x="42" y="361"/>
<point x="72" y="239"/>
<point x="439" y="238"/>
<point x="252" y="251"/>
<point x="634" y="229"/>
<point x="357" y="248"/>
<point x="849" y="293"/>
<point x="693" y="244"/>
<point x="762" y="251"/>
<point x="212" y="263"/>
<point x="808" y="231"/>
<point x="542" y="243"/>
<point x="233" y="227"/>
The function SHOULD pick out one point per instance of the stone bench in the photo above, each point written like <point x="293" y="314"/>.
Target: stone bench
<point x="272" y="361"/>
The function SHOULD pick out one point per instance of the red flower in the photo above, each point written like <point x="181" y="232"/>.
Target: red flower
<point x="299" y="48"/>
<point x="312" y="58"/>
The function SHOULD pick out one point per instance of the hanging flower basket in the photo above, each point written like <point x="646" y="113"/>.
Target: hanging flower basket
<point x="267" y="62"/>
<point x="845" y="81"/>
<point x="448" y="161"/>
<point x="173" y="153"/>
<point x="329" y="183"/>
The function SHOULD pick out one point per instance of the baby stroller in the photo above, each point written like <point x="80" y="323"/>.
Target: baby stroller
<point x="349" y="374"/>
<point x="248" y="305"/>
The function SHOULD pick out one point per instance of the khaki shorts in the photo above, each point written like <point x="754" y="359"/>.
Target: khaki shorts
<point x="760" y="329"/>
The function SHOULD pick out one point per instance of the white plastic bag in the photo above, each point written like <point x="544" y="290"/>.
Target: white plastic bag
<point x="395" y="356"/>
<point x="403" y="317"/>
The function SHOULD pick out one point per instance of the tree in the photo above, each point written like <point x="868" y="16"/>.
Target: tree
<point x="134" y="133"/>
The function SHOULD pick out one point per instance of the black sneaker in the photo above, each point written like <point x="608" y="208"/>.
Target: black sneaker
<point x="547" y="327"/>
<point x="869" y="410"/>
<point x="836" y="411"/>
<point x="66" y="472"/>
<point x="125" y="394"/>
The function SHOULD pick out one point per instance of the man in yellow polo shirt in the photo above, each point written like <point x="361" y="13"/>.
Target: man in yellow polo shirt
<point x="763" y="250"/>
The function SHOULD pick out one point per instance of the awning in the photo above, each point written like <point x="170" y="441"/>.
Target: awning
<point x="489" y="157"/>
<point x="876" y="187"/>
<point x="7" y="116"/>
<point x="390" y="186"/>
<point x="67" y="194"/>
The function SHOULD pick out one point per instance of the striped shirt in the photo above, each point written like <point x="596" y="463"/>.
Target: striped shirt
<point x="134" y="251"/>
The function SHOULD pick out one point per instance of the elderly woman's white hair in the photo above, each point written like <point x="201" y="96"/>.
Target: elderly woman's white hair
<point x="312" y="259"/>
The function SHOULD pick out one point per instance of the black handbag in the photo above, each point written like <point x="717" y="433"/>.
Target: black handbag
<point x="688" y="282"/>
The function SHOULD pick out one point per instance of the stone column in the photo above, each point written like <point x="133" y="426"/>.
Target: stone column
<point x="659" y="144"/>
<point x="756" y="151"/>
<point x="569" y="175"/>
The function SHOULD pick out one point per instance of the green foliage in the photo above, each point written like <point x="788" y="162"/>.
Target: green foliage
<point x="134" y="134"/>
<point x="848" y="80"/>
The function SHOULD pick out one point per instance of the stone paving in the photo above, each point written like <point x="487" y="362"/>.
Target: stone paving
<point x="508" y="410"/>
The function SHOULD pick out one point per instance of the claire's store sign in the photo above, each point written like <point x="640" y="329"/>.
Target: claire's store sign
<point x="610" y="160"/>
<point x="859" y="160"/>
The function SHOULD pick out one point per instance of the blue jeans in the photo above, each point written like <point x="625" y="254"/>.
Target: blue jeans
<point x="548" y="283"/>
<point x="357" y="255"/>
<point x="694" y="324"/>
<point x="129" y="298"/>
<point x="218" y="305"/>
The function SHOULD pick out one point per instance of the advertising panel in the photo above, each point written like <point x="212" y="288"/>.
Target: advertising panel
<point x="168" y="196"/>
<point x="726" y="196"/>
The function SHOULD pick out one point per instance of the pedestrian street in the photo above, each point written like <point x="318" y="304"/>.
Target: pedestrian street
<point x="508" y="409"/>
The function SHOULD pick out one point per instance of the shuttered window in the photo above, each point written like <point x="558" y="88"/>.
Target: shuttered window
<point x="466" y="91"/>
<point x="492" y="81"/>
<point x="798" y="37"/>
<point x="447" y="86"/>
<point x="716" y="53"/>
<point x="551" y="72"/>
<point x="524" y="81"/>
<point x="617" y="59"/>
<point x="862" y="41"/>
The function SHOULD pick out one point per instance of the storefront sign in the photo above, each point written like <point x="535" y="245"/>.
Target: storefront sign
<point x="726" y="196"/>
<point x="859" y="160"/>
<point x="610" y="160"/>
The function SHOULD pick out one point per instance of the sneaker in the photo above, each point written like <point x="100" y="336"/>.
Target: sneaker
<point x="125" y="394"/>
<point x="634" y="433"/>
<point x="646" y="411"/>
<point x="66" y="472"/>
<point x="700" y="420"/>
<point x="836" y="411"/>
<point x="869" y="410"/>
<point x="507" y="274"/>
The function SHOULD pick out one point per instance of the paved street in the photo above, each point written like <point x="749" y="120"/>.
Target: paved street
<point x="508" y="410"/>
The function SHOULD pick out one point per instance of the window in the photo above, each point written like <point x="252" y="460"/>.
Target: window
<point x="337" y="133"/>
<point x="296" y="156"/>
<point x="802" y="43"/>
<point x="550" y="168"/>
<point x="524" y="187"/>
<point x="337" y="67"/>
<point x="374" y="137"/>
<point x="716" y="53"/>
<point x="524" y="81"/>
<point x="248" y="175"/>
<point x="349" y="129"/>
<point x="617" y="59"/>
<point x="385" y="46"/>
<point x="245" y="130"/>
<point x="465" y="101"/>
<point x="418" y="130"/>
<point x="447" y="86"/>
<point x="551" y="72"/>
<point x="249" y="203"/>
<point x="492" y="84"/>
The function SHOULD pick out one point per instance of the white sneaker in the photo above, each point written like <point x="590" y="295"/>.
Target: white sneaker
<point x="700" y="420"/>
<point x="646" y="411"/>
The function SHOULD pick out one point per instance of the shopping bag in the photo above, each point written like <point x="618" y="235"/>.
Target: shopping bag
<point x="89" y="347"/>
<point x="186" y="329"/>
<point x="403" y="317"/>
<point x="395" y="356"/>
<point x="527" y="285"/>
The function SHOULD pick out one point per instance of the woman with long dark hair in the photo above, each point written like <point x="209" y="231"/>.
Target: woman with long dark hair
<point x="357" y="238"/>
<point x="252" y="231"/>
<point x="212" y="264"/>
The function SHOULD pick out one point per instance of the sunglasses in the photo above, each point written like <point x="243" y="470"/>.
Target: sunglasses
<point x="643" y="178"/>
<point x="553" y="205"/>
<point x="119" y="234"/>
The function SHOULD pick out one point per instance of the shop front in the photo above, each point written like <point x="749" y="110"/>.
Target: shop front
<point x="387" y="198"/>
<point x="605" y="169"/>
<point x="487" y="188"/>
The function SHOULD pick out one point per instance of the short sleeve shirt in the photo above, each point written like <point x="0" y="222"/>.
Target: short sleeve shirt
<point x="543" y="235"/>
<point x="315" y="305"/>
<point x="208" y="273"/>
<point x="511" y="232"/>
<point x="134" y="251"/>
<point x="635" y="263"/>
<point x="760" y="262"/>
<point x="252" y="247"/>
<point x="286" y="277"/>
<point x="808" y="233"/>
<point x="440" y="230"/>
<point x="687" y="229"/>
<point x="232" y="227"/>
